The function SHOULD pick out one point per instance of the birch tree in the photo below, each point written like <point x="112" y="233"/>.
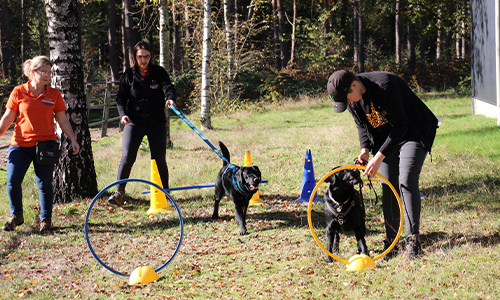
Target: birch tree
<point x="206" y="122"/>
<point x="229" y="48"/>
<point x="74" y="175"/>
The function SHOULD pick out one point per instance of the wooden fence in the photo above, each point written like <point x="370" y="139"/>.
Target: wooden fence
<point x="92" y="90"/>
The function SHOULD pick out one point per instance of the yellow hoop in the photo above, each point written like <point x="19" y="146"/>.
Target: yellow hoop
<point x="309" y="218"/>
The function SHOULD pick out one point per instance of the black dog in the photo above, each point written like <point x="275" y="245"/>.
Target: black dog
<point x="240" y="183"/>
<point x="344" y="210"/>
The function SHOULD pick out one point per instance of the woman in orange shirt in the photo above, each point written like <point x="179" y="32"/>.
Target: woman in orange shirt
<point x="34" y="104"/>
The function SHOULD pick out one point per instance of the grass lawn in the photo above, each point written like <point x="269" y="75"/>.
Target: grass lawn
<point x="279" y="259"/>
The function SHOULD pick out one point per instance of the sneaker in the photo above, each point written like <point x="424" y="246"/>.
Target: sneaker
<point x="13" y="222"/>
<point x="116" y="198"/>
<point x="45" y="225"/>
<point x="413" y="247"/>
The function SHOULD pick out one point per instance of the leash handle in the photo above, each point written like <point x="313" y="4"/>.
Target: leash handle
<point x="198" y="132"/>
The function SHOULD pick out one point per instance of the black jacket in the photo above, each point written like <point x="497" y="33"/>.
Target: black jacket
<point x="389" y="114"/>
<point x="143" y="99"/>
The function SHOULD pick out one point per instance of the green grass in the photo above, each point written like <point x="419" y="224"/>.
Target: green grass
<point x="279" y="259"/>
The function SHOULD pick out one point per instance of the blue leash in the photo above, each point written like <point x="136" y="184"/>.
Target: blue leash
<point x="198" y="132"/>
<point x="230" y="165"/>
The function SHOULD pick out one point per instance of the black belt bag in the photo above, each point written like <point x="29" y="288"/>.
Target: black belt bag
<point x="47" y="152"/>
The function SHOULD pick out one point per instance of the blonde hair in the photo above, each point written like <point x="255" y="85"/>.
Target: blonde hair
<point x="34" y="64"/>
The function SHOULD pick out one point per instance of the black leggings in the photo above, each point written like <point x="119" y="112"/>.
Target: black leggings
<point x="402" y="168"/>
<point x="132" y="138"/>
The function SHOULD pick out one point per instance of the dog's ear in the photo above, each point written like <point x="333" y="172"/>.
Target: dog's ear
<point x="330" y="179"/>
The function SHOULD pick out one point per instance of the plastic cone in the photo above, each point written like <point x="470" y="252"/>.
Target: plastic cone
<point x="143" y="275"/>
<point x="159" y="202"/>
<point x="308" y="181"/>
<point x="255" y="200"/>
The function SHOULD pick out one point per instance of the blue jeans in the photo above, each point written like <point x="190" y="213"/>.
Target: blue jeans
<point x="18" y="162"/>
<point x="402" y="168"/>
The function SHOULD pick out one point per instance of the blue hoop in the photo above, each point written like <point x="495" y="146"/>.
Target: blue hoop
<point x="102" y="192"/>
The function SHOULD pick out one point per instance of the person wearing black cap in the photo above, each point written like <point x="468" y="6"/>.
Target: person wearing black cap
<point x="399" y="130"/>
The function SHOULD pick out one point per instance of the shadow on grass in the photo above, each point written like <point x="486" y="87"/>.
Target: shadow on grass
<point x="442" y="240"/>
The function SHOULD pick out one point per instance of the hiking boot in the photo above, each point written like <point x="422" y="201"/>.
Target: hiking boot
<point x="45" y="225"/>
<point x="116" y="198"/>
<point x="413" y="247"/>
<point x="13" y="222"/>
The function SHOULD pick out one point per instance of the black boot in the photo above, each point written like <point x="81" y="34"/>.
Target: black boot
<point x="413" y="247"/>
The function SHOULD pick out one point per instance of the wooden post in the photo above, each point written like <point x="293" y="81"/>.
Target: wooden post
<point x="105" y="110"/>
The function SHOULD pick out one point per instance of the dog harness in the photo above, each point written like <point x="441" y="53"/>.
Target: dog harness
<point x="339" y="208"/>
<point x="236" y="184"/>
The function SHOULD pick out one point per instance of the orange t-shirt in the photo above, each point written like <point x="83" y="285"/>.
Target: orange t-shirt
<point x="35" y="115"/>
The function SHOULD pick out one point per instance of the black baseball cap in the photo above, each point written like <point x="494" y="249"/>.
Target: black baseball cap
<point x="338" y="86"/>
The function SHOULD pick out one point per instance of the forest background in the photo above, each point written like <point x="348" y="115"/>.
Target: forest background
<point x="226" y="54"/>
<point x="260" y="49"/>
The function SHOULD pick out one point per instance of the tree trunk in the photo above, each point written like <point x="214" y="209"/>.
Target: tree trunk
<point x="439" y="38"/>
<point x="236" y="20"/>
<point x="361" y="39"/>
<point x="189" y="37"/>
<point x="74" y="175"/>
<point x="176" y="41"/>
<point x="41" y="29"/>
<point x="163" y="12"/>
<point x="229" y="48"/>
<point x="206" y="122"/>
<point x="411" y="46"/>
<point x="356" y="30"/>
<point x="284" y="55"/>
<point x="294" y="27"/>
<point x="24" y="35"/>
<point x="397" y="25"/>
<point x="126" y="60"/>
<point x="276" y="36"/>
<point x="113" y="60"/>
<point x="8" y="57"/>
<point x="130" y="32"/>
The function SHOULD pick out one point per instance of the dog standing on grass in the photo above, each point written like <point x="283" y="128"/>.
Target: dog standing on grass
<point x="240" y="183"/>
<point x="344" y="210"/>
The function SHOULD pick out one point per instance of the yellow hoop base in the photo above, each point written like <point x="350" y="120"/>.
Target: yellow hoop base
<point x="143" y="275"/>
<point x="360" y="262"/>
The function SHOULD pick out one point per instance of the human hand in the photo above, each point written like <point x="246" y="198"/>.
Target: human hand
<point x="373" y="165"/>
<point x="170" y="103"/>
<point x="125" y="120"/>
<point x="363" y="157"/>
<point x="75" y="146"/>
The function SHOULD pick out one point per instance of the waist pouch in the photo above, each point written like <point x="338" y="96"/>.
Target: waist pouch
<point x="47" y="152"/>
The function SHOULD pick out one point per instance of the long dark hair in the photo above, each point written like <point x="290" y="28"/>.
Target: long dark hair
<point x="141" y="45"/>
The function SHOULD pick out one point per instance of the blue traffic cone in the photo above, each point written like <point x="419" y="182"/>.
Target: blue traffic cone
<point x="308" y="181"/>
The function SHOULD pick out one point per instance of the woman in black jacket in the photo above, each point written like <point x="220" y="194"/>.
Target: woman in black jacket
<point x="399" y="130"/>
<point x="145" y="89"/>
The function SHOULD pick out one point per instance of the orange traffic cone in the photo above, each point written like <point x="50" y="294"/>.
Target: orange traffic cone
<point x="255" y="200"/>
<point x="159" y="202"/>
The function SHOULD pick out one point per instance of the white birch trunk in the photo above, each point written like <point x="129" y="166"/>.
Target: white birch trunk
<point x="229" y="51"/>
<point x="206" y="122"/>
<point x="164" y="34"/>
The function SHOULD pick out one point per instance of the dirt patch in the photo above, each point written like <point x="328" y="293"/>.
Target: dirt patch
<point x="95" y="134"/>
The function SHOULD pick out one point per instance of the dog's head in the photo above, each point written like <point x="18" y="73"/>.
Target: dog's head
<point x="344" y="179"/>
<point x="251" y="177"/>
